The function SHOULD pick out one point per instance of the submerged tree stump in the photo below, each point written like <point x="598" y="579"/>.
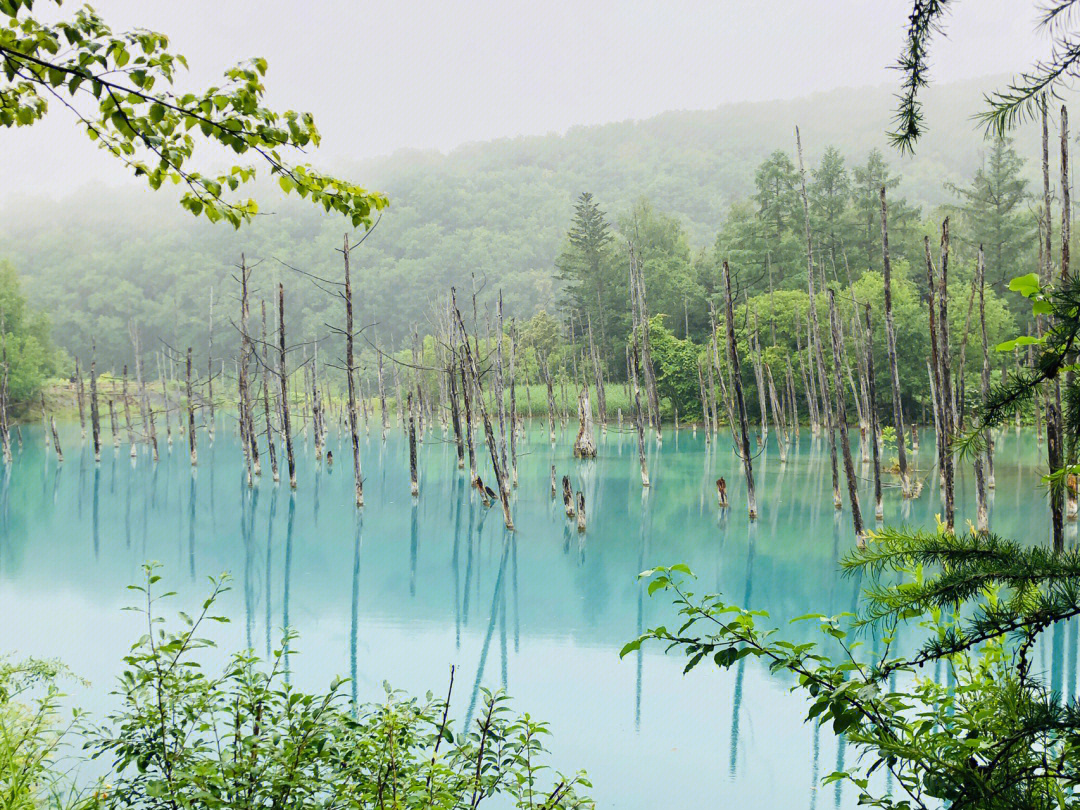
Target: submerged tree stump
<point x="585" y="445"/>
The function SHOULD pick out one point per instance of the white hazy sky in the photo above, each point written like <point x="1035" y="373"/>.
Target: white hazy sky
<point x="388" y="75"/>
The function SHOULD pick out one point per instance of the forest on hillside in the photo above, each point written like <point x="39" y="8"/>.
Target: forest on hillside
<point x="689" y="187"/>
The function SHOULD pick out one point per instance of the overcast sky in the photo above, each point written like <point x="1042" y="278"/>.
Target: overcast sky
<point x="380" y="76"/>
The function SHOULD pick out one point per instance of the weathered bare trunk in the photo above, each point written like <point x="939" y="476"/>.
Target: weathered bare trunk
<point x="736" y="381"/>
<point x="778" y="417"/>
<point x="815" y="332"/>
<point x="499" y="394"/>
<point x="5" y="428"/>
<point x="192" y="444"/>
<point x="513" y="403"/>
<point x="500" y="473"/>
<point x="841" y="421"/>
<point x="551" y="401"/>
<point x="127" y="412"/>
<point x="467" y="398"/>
<point x="414" y="484"/>
<point x="271" y="443"/>
<point x="985" y="376"/>
<point x="144" y="399"/>
<point x="585" y="444"/>
<point x="56" y="440"/>
<point x="95" y="416"/>
<point x="568" y="497"/>
<point x="598" y="374"/>
<point x="721" y="493"/>
<point x="890" y="345"/>
<point x="455" y="407"/>
<point x="210" y="373"/>
<point x="639" y="418"/>
<point x="351" y="382"/>
<point x="79" y="397"/>
<point x="247" y="420"/>
<point x="580" y="511"/>
<point x="283" y="377"/>
<point x="112" y="425"/>
<point x="1069" y="448"/>
<point x="316" y="406"/>
<point x="947" y="400"/>
<point x="875" y="425"/>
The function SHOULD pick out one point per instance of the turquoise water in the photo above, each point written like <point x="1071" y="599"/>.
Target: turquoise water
<point x="418" y="585"/>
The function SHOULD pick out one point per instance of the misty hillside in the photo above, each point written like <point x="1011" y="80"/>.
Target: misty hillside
<point x="495" y="210"/>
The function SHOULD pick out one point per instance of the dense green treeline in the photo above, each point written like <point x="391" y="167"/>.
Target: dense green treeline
<point x="687" y="188"/>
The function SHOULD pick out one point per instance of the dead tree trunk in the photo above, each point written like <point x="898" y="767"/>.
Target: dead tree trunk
<point x="127" y="413"/>
<point x="551" y="399"/>
<point x="112" y="425"/>
<point x="598" y="372"/>
<point x="5" y="428"/>
<point x="271" y="443"/>
<point x="815" y="333"/>
<point x="79" y="397"/>
<point x="499" y="395"/>
<point x="351" y="383"/>
<point x="778" y="417"/>
<point x="890" y="344"/>
<point x="455" y="408"/>
<point x="95" y="415"/>
<point x="736" y="381"/>
<point x="210" y="373"/>
<point x="283" y="378"/>
<point x="56" y="440"/>
<point x="192" y="445"/>
<point x="639" y="418"/>
<point x="875" y="424"/>
<point x="513" y="403"/>
<point x="585" y="444"/>
<point x="247" y="419"/>
<point x="147" y="412"/>
<point x="948" y="402"/>
<point x="500" y="474"/>
<point x="1069" y="447"/>
<point x="985" y="376"/>
<point x="414" y="485"/>
<point x="841" y="421"/>
<point x="466" y="396"/>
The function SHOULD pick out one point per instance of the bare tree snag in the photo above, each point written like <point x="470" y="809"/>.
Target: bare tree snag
<point x="95" y="417"/>
<point x="890" y="345"/>
<point x="127" y="412"/>
<point x="841" y="422"/>
<point x="351" y="383"/>
<point x="875" y="425"/>
<point x="474" y="370"/>
<point x="414" y="485"/>
<point x="192" y="445"/>
<point x="585" y="444"/>
<point x="568" y="496"/>
<point x="736" y="381"/>
<point x="283" y="375"/>
<point x="815" y="331"/>
<point x="984" y="379"/>
<point x="271" y="443"/>
<point x="56" y="440"/>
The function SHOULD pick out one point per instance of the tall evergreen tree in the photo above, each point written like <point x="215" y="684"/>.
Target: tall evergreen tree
<point x="866" y="200"/>
<point x="830" y="196"/>
<point x="992" y="207"/>
<point x="584" y="266"/>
